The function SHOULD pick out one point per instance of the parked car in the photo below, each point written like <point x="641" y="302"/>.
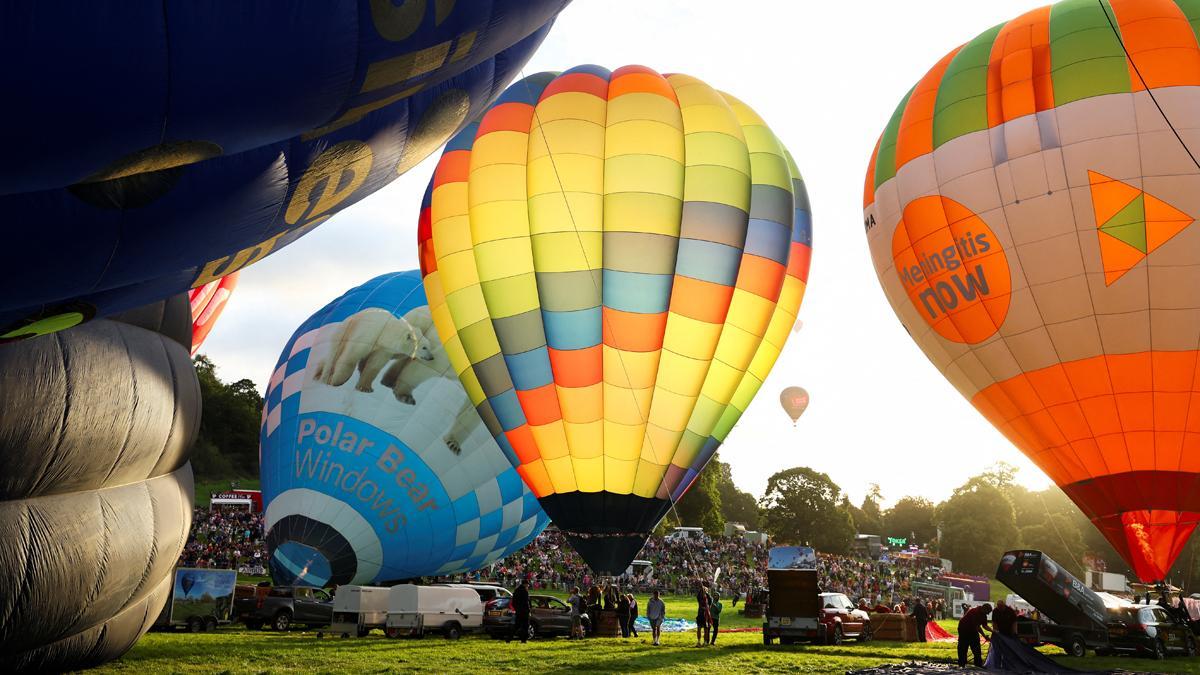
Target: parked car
<point x="842" y="620"/>
<point x="486" y="591"/>
<point x="1150" y="630"/>
<point x="281" y="607"/>
<point x="548" y="616"/>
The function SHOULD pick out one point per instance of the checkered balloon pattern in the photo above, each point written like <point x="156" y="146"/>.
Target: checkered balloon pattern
<point x="375" y="465"/>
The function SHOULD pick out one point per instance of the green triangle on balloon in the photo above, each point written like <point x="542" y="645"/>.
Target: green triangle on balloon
<point x="1133" y="212"/>
<point x="1129" y="224"/>
<point x="1133" y="234"/>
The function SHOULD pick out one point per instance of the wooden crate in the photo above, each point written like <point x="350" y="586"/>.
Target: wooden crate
<point x="894" y="627"/>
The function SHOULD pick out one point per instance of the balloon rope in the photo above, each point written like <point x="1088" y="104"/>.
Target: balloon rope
<point x="599" y="291"/>
<point x="1061" y="538"/>
<point x="1149" y="91"/>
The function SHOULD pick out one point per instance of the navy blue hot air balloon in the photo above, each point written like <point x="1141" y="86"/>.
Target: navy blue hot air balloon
<point x="154" y="147"/>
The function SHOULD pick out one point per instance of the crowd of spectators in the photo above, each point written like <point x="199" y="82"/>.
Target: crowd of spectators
<point x="675" y="565"/>
<point x="881" y="583"/>
<point x="233" y="539"/>
<point x="226" y="539"/>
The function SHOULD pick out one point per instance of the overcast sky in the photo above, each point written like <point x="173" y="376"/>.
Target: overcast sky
<point x="826" y="77"/>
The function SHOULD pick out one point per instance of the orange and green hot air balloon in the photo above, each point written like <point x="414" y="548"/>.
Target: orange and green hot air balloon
<point x="614" y="261"/>
<point x="1030" y="210"/>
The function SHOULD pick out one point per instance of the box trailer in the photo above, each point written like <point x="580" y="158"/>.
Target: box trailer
<point x="200" y="600"/>
<point x="416" y="610"/>
<point x="1072" y="615"/>
<point x="358" y="609"/>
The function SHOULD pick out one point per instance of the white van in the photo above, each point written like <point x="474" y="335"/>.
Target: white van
<point x="486" y="591"/>
<point x="358" y="609"/>
<point x="417" y="610"/>
<point x="686" y="533"/>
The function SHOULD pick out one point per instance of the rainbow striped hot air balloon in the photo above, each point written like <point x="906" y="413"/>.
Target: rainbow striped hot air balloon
<point x="1029" y="210"/>
<point x="614" y="261"/>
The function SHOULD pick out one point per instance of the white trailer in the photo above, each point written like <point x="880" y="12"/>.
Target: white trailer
<point x="416" y="610"/>
<point x="358" y="609"/>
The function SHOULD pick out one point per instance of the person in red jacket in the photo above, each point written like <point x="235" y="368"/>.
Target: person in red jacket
<point x="970" y="626"/>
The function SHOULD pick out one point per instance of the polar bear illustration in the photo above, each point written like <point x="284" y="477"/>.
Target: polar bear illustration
<point x="404" y="375"/>
<point x="367" y="340"/>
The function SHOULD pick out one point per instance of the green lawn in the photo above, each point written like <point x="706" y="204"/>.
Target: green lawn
<point x="235" y="650"/>
<point x="204" y="489"/>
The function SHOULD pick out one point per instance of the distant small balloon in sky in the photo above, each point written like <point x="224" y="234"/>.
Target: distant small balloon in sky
<point x="797" y="326"/>
<point x="794" y="401"/>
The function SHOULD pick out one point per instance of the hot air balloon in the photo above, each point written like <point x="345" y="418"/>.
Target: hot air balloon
<point x="1030" y="209"/>
<point x="207" y="303"/>
<point x="375" y="466"/>
<point x="794" y="401"/>
<point x="614" y="260"/>
<point x="187" y="582"/>
<point x="96" y="425"/>
<point x="242" y="128"/>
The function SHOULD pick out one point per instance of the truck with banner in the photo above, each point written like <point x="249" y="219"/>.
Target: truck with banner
<point x="1072" y="615"/>
<point x="200" y="600"/>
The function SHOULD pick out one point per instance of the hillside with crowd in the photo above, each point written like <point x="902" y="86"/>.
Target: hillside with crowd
<point x="226" y="539"/>
<point x="233" y="539"/>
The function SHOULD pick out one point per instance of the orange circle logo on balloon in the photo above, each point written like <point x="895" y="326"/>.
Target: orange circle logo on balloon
<point x="953" y="269"/>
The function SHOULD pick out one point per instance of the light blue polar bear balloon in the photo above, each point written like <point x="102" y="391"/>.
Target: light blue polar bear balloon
<point x="375" y="467"/>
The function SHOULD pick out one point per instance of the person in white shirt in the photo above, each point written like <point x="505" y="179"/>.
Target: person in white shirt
<point x="656" y="611"/>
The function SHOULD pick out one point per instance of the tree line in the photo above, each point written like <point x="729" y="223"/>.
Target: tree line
<point x="227" y="445"/>
<point x="985" y="516"/>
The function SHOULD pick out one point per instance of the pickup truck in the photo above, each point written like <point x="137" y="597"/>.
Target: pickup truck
<point x="281" y="607"/>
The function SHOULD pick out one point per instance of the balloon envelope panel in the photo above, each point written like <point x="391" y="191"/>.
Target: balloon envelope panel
<point x="615" y="259"/>
<point x="1030" y="209"/>
<point x="207" y="302"/>
<point x="375" y="466"/>
<point x="203" y="160"/>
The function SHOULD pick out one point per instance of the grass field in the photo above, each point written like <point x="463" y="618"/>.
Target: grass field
<point x="235" y="650"/>
<point x="204" y="489"/>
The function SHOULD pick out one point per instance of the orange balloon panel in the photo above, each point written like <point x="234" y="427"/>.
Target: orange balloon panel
<point x="1030" y="210"/>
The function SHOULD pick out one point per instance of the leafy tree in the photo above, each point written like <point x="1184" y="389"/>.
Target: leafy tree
<point x="736" y="506"/>
<point x="977" y="526"/>
<point x="868" y="518"/>
<point x="1058" y="537"/>
<point x="701" y="504"/>
<point x="806" y="507"/>
<point x="911" y="518"/>
<point x="227" y="446"/>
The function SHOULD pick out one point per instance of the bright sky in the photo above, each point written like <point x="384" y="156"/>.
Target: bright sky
<point x="826" y="77"/>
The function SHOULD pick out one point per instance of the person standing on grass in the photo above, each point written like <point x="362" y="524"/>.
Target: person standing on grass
<point x="714" y="610"/>
<point x="921" y="614"/>
<point x="623" y="614"/>
<point x="656" y="611"/>
<point x="970" y="626"/>
<point x="633" y="615"/>
<point x="576" y="603"/>
<point x="520" y="606"/>
<point x="703" y="617"/>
